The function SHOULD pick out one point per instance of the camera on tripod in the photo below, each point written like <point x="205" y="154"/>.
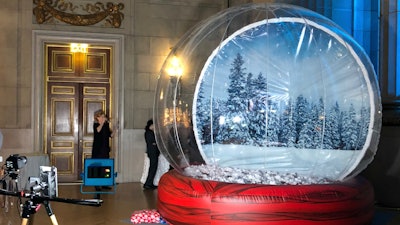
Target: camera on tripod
<point x="15" y="162"/>
<point x="43" y="189"/>
<point x="46" y="184"/>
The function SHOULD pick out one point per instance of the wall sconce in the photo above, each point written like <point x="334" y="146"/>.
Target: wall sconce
<point x="175" y="72"/>
<point x="79" y="47"/>
<point x="175" y="68"/>
<point x="178" y="110"/>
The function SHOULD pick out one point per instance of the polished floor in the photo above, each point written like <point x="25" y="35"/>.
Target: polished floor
<point x="117" y="208"/>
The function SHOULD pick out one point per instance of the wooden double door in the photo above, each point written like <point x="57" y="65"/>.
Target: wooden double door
<point x="77" y="86"/>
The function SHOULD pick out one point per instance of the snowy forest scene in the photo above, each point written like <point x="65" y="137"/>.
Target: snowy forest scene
<point x="251" y="116"/>
<point x="271" y="96"/>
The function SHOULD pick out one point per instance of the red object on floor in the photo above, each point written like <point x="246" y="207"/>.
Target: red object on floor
<point x="185" y="200"/>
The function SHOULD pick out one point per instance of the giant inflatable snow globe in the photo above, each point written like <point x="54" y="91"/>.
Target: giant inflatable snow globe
<point x="267" y="94"/>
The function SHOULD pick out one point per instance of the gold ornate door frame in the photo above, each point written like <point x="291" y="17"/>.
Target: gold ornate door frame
<point x="77" y="85"/>
<point x="43" y="37"/>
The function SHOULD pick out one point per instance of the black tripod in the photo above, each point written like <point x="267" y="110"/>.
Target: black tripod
<point x="9" y="182"/>
<point x="44" y="190"/>
<point x="31" y="205"/>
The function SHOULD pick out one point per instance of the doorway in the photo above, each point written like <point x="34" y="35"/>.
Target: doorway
<point x="42" y="38"/>
<point x="77" y="84"/>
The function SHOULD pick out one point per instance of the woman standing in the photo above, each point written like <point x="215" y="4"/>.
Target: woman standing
<point x="153" y="153"/>
<point x="101" y="139"/>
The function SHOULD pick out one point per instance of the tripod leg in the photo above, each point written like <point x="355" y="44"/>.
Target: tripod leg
<point x="3" y="184"/>
<point x="11" y="185"/>
<point x="26" y="212"/>
<point x="53" y="219"/>
<point x="50" y="213"/>
<point x="24" y="221"/>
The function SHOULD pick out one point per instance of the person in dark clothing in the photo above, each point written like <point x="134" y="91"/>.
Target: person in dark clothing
<point x="153" y="153"/>
<point x="101" y="140"/>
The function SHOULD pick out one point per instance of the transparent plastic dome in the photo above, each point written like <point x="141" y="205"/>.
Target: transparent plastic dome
<point x="269" y="87"/>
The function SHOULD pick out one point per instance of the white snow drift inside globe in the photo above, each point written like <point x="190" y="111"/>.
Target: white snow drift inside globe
<point x="287" y="92"/>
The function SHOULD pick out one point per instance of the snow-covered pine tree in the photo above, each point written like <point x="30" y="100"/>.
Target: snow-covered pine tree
<point x="300" y="114"/>
<point x="350" y="129"/>
<point x="332" y="128"/>
<point x="307" y="130"/>
<point x="287" y="133"/>
<point x="235" y="128"/>
<point x="234" y="131"/>
<point x="250" y="87"/>
<point x="257" y="110"/>
<point x="363" y="125"/>
<point x="260" y="84"/>
<point x="252" y="111"/>
<point x="273" y="125"/>
<point x="319" y="120"/>
<point x="237" y="92"/>
<point x="203" y="117"/>
<point x="218" y="115"/>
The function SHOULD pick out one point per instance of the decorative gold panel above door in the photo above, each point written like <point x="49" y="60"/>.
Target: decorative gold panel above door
<point x="93" y="66"/>
<point x="78" y="13"/>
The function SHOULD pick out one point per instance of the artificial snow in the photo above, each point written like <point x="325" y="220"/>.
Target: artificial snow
<point x="246" y="176"/>
<point x="323" y="163"/>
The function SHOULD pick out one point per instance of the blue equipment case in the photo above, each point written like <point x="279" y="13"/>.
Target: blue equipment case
<point x="99" y="172"/>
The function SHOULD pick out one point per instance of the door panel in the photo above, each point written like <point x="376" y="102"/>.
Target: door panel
<point x="62" y="127"/>
<point x="71" y="109"/>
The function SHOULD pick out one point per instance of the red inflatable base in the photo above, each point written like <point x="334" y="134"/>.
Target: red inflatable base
<point x="185" y="200"/>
